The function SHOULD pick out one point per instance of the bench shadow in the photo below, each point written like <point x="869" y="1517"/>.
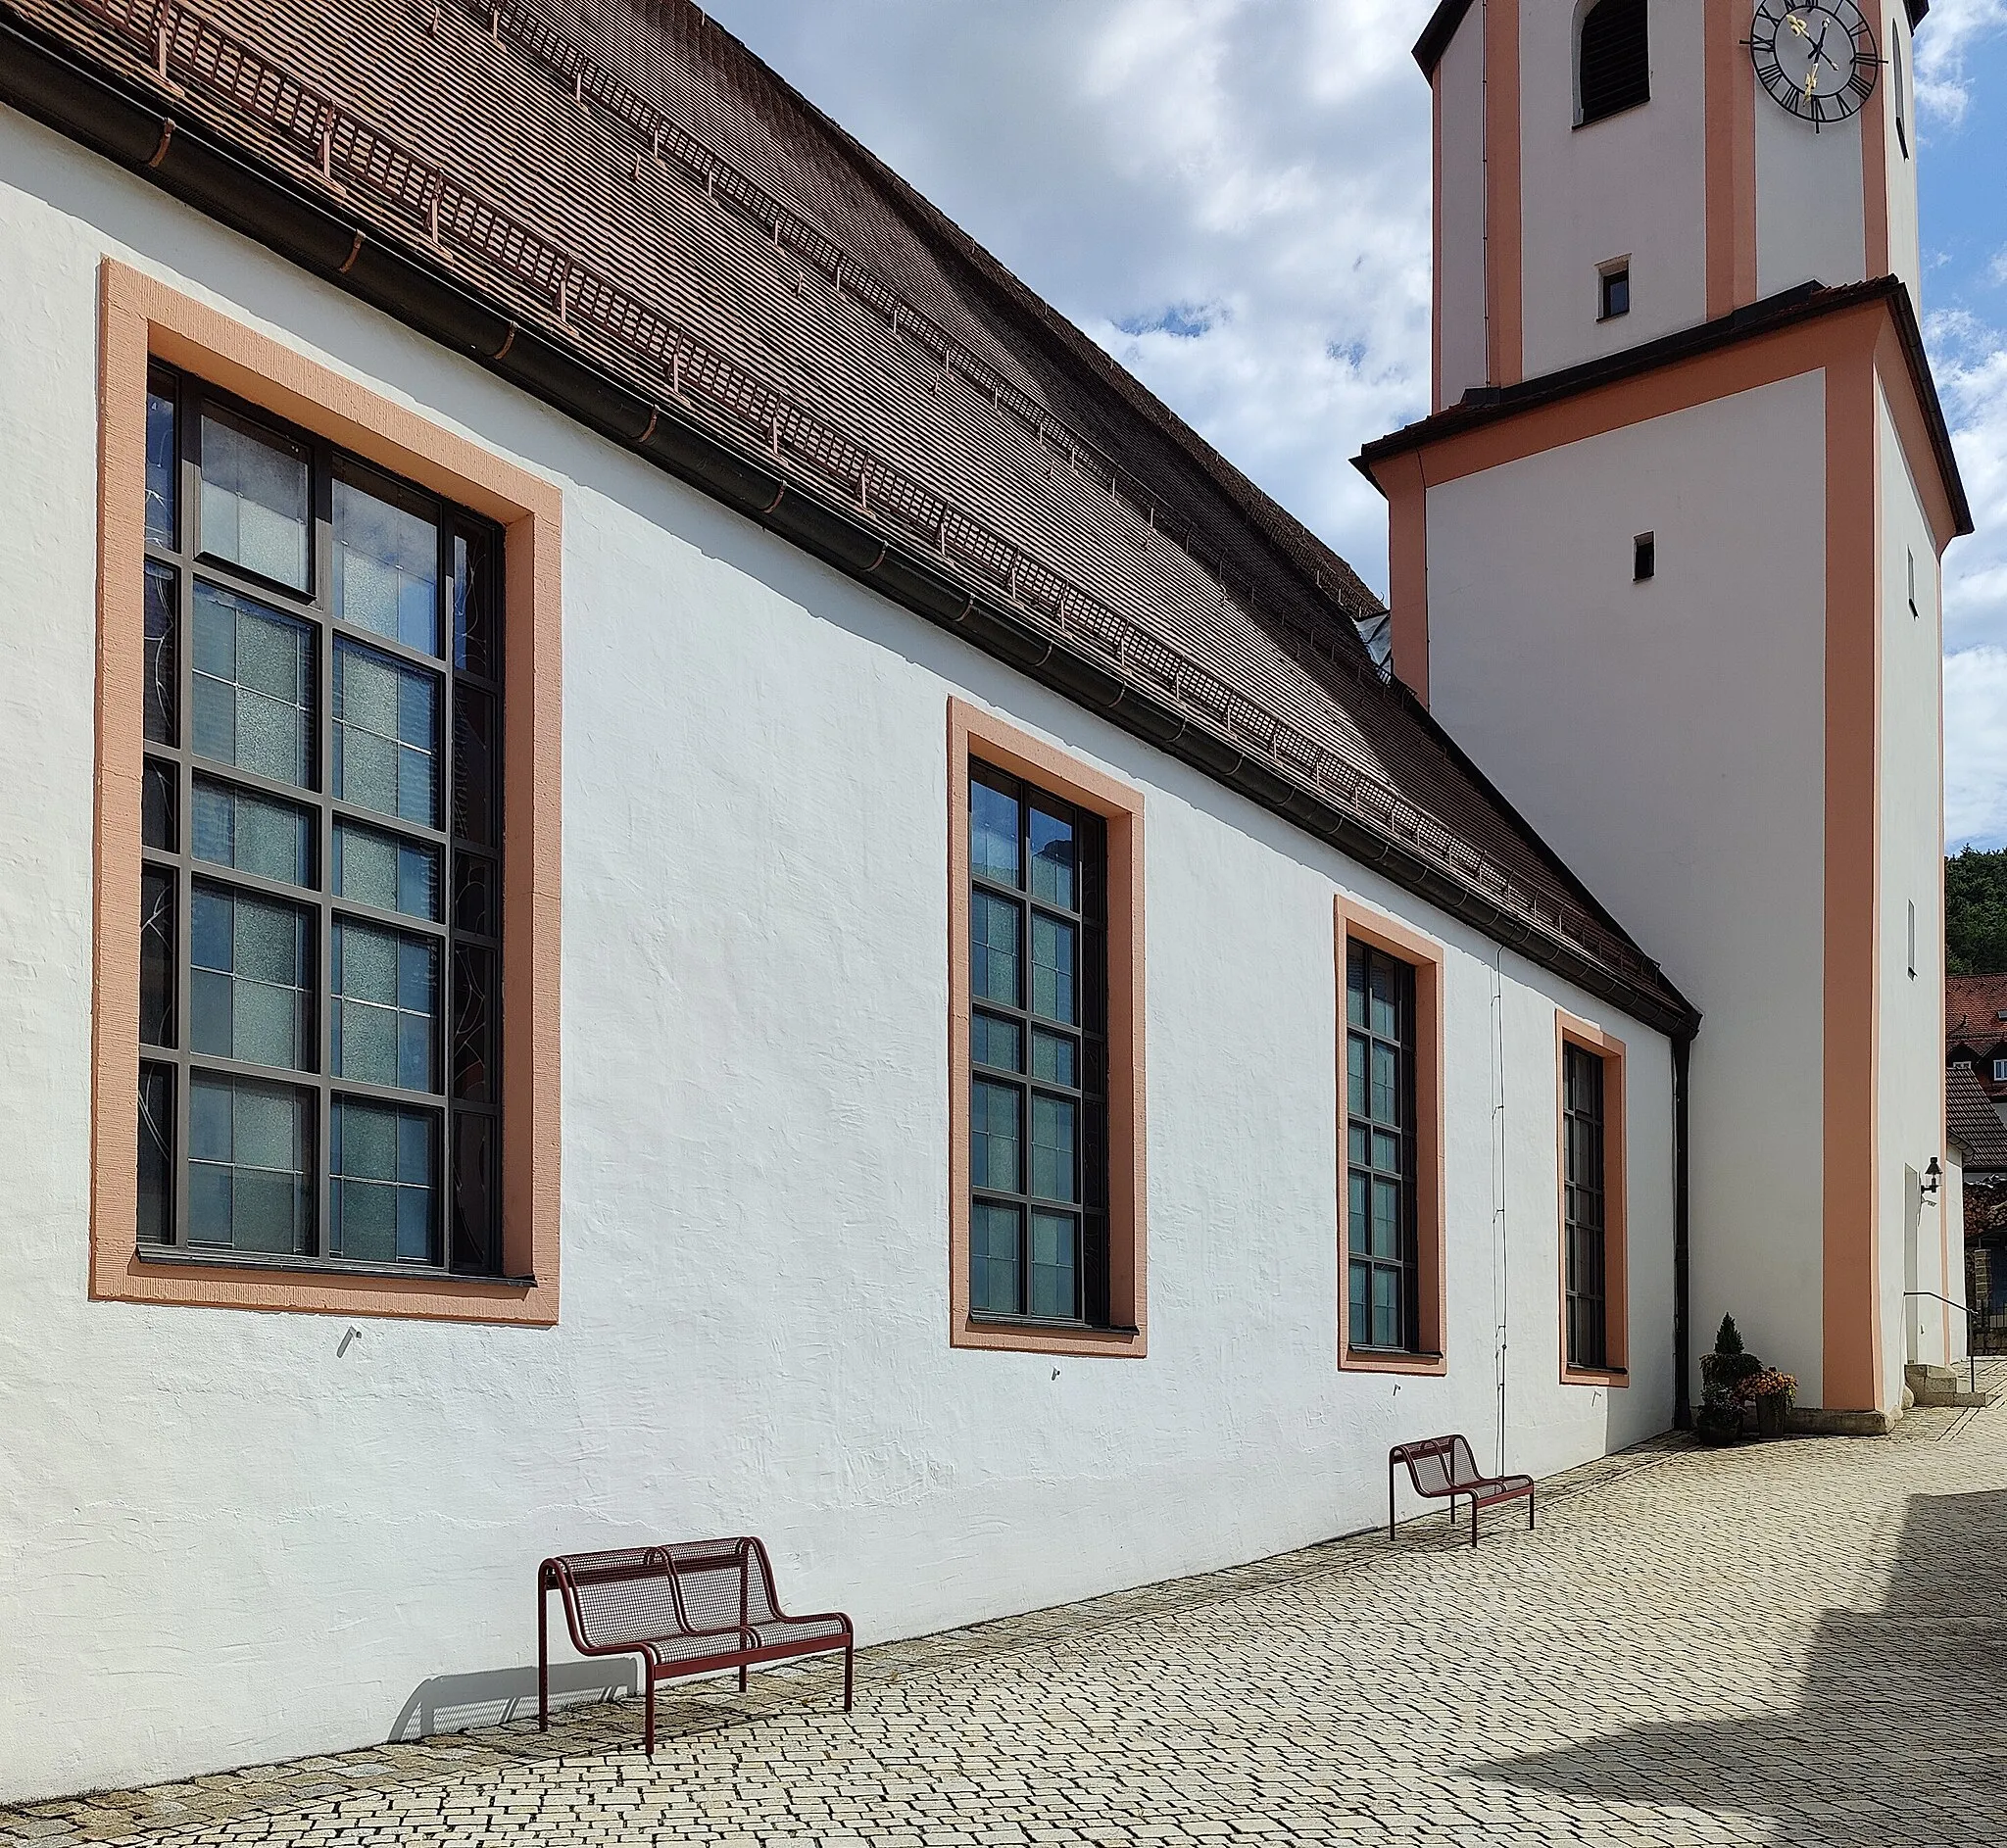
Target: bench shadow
<point x="461" y="1703"/>
<point x="1896" y="1736"/>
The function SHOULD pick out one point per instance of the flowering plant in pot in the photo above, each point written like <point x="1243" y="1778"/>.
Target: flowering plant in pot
<point x="1773" y="1394"/>
<point x="1722" y="1377"/>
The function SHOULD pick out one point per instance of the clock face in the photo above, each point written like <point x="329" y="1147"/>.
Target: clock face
<point x="1817" y="59"/>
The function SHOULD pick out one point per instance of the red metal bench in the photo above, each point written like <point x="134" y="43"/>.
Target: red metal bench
<point x="1443" y="1466"/>
<point x="684" y="1609"/>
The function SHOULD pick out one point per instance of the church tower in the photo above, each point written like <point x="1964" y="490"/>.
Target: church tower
<point x="1665" y="560"/>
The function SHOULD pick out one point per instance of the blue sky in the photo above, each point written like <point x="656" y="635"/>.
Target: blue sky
<point x="1233" y="197"/>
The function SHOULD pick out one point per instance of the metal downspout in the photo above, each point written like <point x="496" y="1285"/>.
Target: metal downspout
<point x="1682" y="1339"/>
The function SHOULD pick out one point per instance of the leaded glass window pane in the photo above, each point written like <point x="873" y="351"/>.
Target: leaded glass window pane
<point x="1054" y="1057"/>
<point x="386" y="734"/>
<point x="996" y="926"/>
<point x="386" y="1022"/>
<point x="1052" y="1149"/>
<point x="998" y="1043"/>
<point x="161" y="695"/>
<point x="159" y="800"/>
<point x="1052" y="946"/>
<point x="387" y="563"/>
<point x="156" y="1153"/>
<point x="384" y="1161"/>
<point x="475" y="795"/>
<point x="255" y="487"/>
<point x="994" y="1234"/>
<point x="1051" y="858"/>
<point x="474" y="589"/>
<point x="253" y="687"/>
<point x="162" y="460"/>
<point x="158" y="962"/>
<point x="993" y="819"/>
<point x="996" y="1137"/>
<point x="253" y="834"/>
<point x="251" y="960"/>
<point x="1055" y="1264"/>
<point x="249" y="1166"/>
<point x="385" y="871"/>
<point x="473" y="1025"/>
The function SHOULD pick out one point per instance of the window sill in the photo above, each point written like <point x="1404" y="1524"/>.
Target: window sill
<point x="1612" y="115"/>
<point x="222" y="1258"/>
<point x="1392" y="1360"/>
<point x="1594" y="1376"/>
<point x="1031" y="1334"/>
<point x="1064" y="1324"/>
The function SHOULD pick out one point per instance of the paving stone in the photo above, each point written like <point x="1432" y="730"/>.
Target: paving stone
<point x="1794" y="1643"/>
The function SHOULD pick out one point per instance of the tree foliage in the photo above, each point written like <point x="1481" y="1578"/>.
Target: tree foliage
<point x="1976" y="912"/>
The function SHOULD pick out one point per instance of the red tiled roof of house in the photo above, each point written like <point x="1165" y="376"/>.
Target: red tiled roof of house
<point x="1972" y="1121"/>
<point x="1975" y="1008"/>
<point x="629" y="184"/>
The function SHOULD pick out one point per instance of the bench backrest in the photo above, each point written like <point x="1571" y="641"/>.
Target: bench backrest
<point x="635" y="1593"/>
<point x="1437" y="1465"/>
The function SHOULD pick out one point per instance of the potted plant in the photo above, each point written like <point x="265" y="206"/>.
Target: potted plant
<point x="1722" y="1375"/>
<point x="1772" y="1393"/>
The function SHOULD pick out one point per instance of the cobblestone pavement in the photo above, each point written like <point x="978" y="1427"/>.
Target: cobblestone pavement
<point x="1796" y="1643"/>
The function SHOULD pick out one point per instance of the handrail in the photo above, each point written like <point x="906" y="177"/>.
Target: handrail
<point x="1972" y="1359"/>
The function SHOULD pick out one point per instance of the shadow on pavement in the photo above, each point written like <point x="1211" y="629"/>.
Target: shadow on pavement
<point x="1899" y="1734"/>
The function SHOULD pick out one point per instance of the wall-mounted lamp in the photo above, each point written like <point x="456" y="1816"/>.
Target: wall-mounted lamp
<point x="1932" y="1177"/>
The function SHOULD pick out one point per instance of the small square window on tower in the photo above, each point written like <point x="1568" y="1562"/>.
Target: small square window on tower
<point x="1614" y="281"/>
<point x="1643" y="558"/>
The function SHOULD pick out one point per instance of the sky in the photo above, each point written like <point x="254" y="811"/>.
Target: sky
<point x="1232" y="196"/>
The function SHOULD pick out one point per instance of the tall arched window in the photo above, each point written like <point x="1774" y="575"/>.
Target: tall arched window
<point x="1614" y="63"/>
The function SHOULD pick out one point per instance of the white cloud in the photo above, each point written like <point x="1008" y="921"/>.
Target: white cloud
<point x="1970" y="358"/>
<point x="1231" y="196"/>
<point x="1975" y="758"/>
<point x="1953" y="27"/>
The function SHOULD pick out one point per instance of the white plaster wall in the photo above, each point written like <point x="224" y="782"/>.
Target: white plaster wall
<point x="1955" y="1218"/>
<point x="1905" y="258"/>
<point x="230" y="1540"/>
<point x="1460" y="202"/>
<point x="1910" y="1107"/>
<point x="1667" y="739"/>
<point x="1808" y="201"/>
<point x="1630" y="185"/>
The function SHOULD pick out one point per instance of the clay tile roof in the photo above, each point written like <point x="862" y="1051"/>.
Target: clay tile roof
<point x="1976" y="1009"/>
<point x="1973" y="1123"/>
<point x="631" y="195"/>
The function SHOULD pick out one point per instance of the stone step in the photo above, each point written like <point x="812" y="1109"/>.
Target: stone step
<point x="1942" y="1385"/>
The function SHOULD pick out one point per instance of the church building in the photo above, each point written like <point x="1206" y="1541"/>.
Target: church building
<point x="672" y="866"/>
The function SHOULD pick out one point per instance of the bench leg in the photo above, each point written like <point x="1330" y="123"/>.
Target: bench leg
<point x="742" y="1677"/>
<point x="648" y="1716"/>
<point x="848" y="1663"/>
<point x="1529" y="1511"/>
<point x="1473" y="1520"/>
<point x="543" y="1659"/>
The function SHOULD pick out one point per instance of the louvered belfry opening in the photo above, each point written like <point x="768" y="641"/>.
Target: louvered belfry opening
<point x="1615" y="64"/>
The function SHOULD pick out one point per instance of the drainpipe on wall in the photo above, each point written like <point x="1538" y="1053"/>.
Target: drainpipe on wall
<point x="1683" y="1409"/>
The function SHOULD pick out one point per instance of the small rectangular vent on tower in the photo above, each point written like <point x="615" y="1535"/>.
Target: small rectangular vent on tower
<point x="1643" y="558"/>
